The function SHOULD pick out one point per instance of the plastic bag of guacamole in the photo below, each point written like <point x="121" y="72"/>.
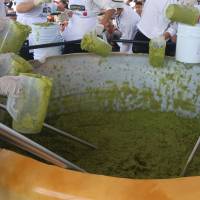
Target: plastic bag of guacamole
<point x="94" y="44"/>
<point x="12" y="36"/>
<point x="12" y="64"/>
<point x="29" y="109"/>
<point x="183" y="14"/>
<point x="157" y="51"/>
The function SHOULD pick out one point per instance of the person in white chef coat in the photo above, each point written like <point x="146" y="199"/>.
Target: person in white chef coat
<point x="85" y="19"/>
<point x="2" y="9"/>
<point x="30" y="12"/>
<point x="126" y="21"/>
<point x="154" y="23"/>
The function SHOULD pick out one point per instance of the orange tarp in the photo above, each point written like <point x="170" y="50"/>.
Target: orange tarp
<point x="22" y="178"/>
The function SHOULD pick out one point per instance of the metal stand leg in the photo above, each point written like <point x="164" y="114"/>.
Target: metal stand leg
<point x="191" y="156"/>
<point x="30" y="146"/>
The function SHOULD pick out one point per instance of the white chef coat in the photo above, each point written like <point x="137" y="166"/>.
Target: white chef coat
<point x="84" y="18"/>
<point x="153" y="22"/>
<point x="127" y="25"/>
<point x="2" y="9"/>
<point x="36" y="15"/>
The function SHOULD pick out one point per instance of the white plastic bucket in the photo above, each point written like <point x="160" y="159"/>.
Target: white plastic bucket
<point x="188" y="43"/>
<point x="45" y="35"/>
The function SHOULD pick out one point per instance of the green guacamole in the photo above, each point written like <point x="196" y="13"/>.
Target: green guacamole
<point x="135" y="144"/>
<point x="156" y="56"/>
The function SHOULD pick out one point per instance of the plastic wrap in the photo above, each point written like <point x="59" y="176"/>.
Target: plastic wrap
<point x="94" y="44"/>
<point x="183" y="14"/>
<point x="12" y="64"/>
<point x="29" y="109"/>
<point x="157" y="51"/>
<point x="12" y="36"/>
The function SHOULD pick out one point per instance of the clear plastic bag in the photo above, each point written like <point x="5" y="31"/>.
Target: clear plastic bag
<point x="12" y="35"/>
<point x="94" y="44"/>
<point x="29" y="109"/>
<point x="12" y="64"/>
<point x="157" y="51"/>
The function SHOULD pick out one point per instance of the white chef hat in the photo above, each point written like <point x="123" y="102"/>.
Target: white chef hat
<point x="118" y="3"/>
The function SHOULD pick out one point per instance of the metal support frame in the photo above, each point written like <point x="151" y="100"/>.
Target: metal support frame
<point x="61" y="132"/>
<point x="30" y="146"/>
<point x="191" y="156"/>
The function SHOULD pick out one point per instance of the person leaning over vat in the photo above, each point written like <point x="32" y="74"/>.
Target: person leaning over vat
<point x="154" y="23"/>
<point x="85" y="19"/>
<point x="126" y="20"/>
<point x="30" y="12"/>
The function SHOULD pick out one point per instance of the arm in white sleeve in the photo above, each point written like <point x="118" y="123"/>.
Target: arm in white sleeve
<point x="28" y="5"/>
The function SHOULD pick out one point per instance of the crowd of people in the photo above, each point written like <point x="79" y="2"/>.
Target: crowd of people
<point x="130" y="20"/>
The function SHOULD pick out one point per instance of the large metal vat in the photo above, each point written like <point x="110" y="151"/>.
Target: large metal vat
<point x="85" y="82"/>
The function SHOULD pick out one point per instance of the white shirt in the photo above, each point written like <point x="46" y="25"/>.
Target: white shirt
<point x="2" y="9"/>
<point x="84" y="18"/>
<point x="127" y="25"/>
<point x="36" y="15"/>
<point x="153" y="21"/>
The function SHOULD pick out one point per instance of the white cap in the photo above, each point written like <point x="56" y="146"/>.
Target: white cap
<point x="118" y="3"/>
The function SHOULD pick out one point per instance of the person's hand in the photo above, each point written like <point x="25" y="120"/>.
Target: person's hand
<point x="64" y="16"/>
<point x="70" y="13"/>
<point x="166" y="35"/>
<point x="39" y="2"/>
<point x="174" y="38"/>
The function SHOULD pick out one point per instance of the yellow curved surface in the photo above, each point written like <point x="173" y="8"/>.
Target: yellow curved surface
<point x="22" y="178"/>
